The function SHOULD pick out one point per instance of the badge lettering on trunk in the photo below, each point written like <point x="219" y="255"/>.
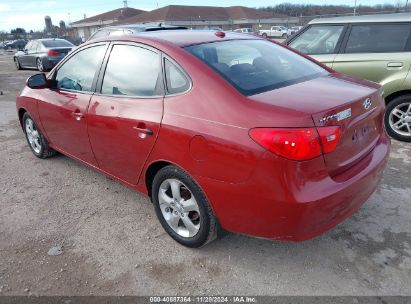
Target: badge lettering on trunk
<point x="339" y="116"/>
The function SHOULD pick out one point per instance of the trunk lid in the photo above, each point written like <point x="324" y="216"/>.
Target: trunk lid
<point x="356" y="107"/>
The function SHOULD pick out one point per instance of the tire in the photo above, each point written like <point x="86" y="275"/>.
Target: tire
<point x="264" y="35"/>
<point x="284" y="36"/>
<point x="37" y="143"/>
<point x="184" y="212"/>
<point x="40" y="65"/>
<point x="17" y="63"/>
<point x="397" y="118"/>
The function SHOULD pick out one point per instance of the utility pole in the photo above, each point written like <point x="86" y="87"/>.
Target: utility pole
<point x="125" y="3"/>
<point x="355" y="8"/>
<point x="406" y="5"/>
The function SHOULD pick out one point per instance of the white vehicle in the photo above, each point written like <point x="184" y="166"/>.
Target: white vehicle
<point x="246" y="30"/>
<point x="293" y="30"/>
<point x="275" y="32"/>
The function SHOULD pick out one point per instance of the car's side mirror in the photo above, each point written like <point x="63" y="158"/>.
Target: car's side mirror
<point x="37" y="81"/>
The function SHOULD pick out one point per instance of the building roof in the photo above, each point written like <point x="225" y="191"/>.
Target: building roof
<point x="399" y="17"/>
<point x="198" y="13"/>
<point x="114" y="15"/>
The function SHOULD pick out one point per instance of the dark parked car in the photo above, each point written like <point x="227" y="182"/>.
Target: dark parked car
<point x="132" y="29"/>
<point x="15" y="44"/>
<point x="42" y="54"/>
<point x="221" y="130"/>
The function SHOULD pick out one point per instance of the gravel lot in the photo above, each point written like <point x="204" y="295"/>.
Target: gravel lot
<point x="114" y="245"/>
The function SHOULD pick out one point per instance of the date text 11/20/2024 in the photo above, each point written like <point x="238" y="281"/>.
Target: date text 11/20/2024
<point x="204" y="299"/>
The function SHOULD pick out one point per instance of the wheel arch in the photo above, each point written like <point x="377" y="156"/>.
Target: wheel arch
<point x="394" y="95"/>
<point x="151" y="172"/>
<point x="21" y="113"/>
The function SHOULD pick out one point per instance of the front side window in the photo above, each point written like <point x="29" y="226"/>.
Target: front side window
<point x="256" y="65"/>
<point x="34" y="46"/>
<point x="78" y="72"/>
<point x="378" y="38"/>
<point x="318" y="39"/>
<point x="28" y="46"/>
<point x="132" y="71"/>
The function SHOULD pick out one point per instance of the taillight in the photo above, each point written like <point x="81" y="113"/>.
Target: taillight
<point x="297" y="143"/>
<point x="330" y="136"/>
<point x="53" y="53"/>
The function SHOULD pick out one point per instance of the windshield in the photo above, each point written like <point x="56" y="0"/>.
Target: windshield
<point x="57" y="43"/>
<point x="255" y="66"/>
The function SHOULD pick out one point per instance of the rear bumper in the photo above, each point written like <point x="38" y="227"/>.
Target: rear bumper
<point x="50" y="62"/>
<point x="295" y="201"/>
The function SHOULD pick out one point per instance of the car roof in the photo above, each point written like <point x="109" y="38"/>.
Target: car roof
<point x="184" y="38"/>
<point x="399" y="17"/>
<point x="49" y="39"/>
<point x="144" y="27"/>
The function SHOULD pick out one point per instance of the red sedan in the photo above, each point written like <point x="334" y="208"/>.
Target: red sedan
<point x="222" y="131"/>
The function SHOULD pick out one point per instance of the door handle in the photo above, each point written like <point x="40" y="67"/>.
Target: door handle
<point x="78" y="115"/>
<point x="395" y="64"/>
<point x="144" y="130"/>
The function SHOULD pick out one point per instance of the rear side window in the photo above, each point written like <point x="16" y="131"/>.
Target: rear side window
<point x="254" y="66"/>
<point x="78" y="72"/>
<point x="132" y="71"/>
<point x="378" y="38"/>
<point x="176" y="81"/>
<point x="318" y="39"/>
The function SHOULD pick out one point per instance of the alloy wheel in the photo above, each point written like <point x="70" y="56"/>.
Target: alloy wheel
<point x="400" y="119"/>
<point x="17" y="63"/>
<point x="179" y="208"/>
<point x="33" y="135"/>
<point x="40" y="66"/>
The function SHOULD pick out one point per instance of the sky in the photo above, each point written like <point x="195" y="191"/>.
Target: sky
<point x="30" y="14"/>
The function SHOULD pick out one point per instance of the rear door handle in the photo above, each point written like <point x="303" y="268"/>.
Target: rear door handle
<point x="395" y="64"/>
<point x="144" y="130"/>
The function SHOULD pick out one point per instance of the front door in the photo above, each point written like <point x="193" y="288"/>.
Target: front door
<point x="124" y="117"/>
<point x="32" y="54"/>
<point x="63" y="112"/>
<point x="24" y="57"/>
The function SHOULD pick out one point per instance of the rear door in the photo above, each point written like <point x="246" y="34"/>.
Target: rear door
<point x="125" y="116"/>
<point x="377" y="52"/>
<point x="320" y="41"/>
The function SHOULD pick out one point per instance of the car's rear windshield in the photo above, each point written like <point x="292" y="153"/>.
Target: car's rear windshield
<point x="56" y="43"/>
<point x="256" y="66"/>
